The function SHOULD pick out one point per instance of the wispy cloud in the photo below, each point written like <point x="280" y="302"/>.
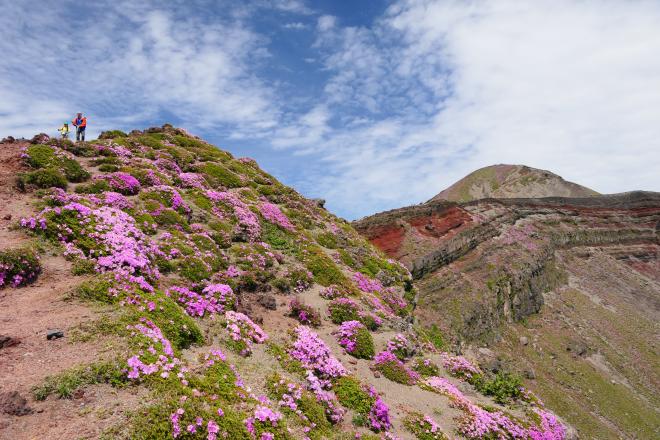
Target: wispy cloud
<point x="436" y="89"/>
<point x="373" y="115"/>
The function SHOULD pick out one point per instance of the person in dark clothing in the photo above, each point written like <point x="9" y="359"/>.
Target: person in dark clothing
<point x="80" y="122"/>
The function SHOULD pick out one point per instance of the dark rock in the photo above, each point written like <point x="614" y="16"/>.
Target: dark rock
<point x="14" y="404"/>
<point x="7" y="217"/>
<point x="267" y="302"/>
<point x="41" y="138"/>
<point x="529" y="374"/>
<point x="319" y="202"/>
<point x="54" y="334"/>
<point x="376" y="374"/>
<point x="8" y="341"/>
<point x="8" y="140"/>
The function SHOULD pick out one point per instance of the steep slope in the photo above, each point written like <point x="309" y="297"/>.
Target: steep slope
<point x="511" y="181"/>
<point x="564" y="291"/>
<point x="196" y="297"/>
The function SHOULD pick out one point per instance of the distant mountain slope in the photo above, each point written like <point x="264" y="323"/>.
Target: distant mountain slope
<point x="564" y="291"/>
<point x="511" y="181"/>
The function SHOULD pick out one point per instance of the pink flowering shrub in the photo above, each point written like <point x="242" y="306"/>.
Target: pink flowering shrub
<point x="379" y="415"/>
<point x="304" y="313"/>
<point x="356" y="339"/>
<point x="295" y="400"/>
<point x="214" y="299"/>
<point x="159" y="356"/>
<point x="460" y="367"/>
<point x="315" y="355"/>
<point x="343" y="309"/>
<point x="401" y="346"/>
<point x="367" y="284"/>
<point x="192" y="180"/>
<point x="18" y="267"/>
<point x="243" y="332"/>
<point x="123" y="183"/>
<point x="331" y="292"/>
<point x="393" y="369"/>
<point x="479" y="423"/>
<point x="106" y="234"/>
<point x="273" y="214"/>
<point x="247" y="221"/>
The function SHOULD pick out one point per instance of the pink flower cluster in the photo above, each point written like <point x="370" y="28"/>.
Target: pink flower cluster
<point x="248" y="222"/>
<point x="315" y="355"/>
<point x="214" y="299"/>
<point x="459" y="366"/>
<point x="192" y="180"/>
<point x="165" y="362"/>
<point x="273" y="214"/>
<point x="331" y="292"/>
<point x="122" y="182"/>
<point x="379" y="415"/>
<point x="348" y="334"/>
<point x="264" y="416"/>
<point x="242" y="330"/>
<point x="366" y="284"/>
<point x="400" y="346"/>
<point x="479" y="423"/>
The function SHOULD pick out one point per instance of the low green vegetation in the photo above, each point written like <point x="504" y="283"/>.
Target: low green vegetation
<point x="65" y="384"/>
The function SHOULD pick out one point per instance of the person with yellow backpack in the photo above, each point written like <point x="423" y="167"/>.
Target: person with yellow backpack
<point x="64" y="130"/>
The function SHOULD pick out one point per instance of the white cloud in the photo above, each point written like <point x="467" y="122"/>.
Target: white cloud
<point x="295" y="25"/>
<point x="326" y="22"/>
<point x="450" y="86"/>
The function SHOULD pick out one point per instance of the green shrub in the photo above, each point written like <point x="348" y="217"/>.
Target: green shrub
<point x="151" y="141"/>
<point x="176" y="325"/>
<point x="111" y="134"/>
<point x="434" y="335"/>
<point x="193" y="269"/>
<point x="364" y="345"/>
<point x="83" y="149"/>
<point x="503" y="387"/>
<point x="327" y="240"/>
<point x="73" y="170"/>
<point x="66" y="383"/>
<point x="352" y="395"/>
<point x="421" y="428"/>
<point x="425" y="367"/>
<point x="276" y="237"/>
<point x="109" y="168"/>
<point x="94" y="187"/>
<point x="169" y="217"/>
<point x="325" y="270"/>
<point x="287" y="363"/>
<point x="18" y="267"/>
<point x="221" y="175"/>
<point x="97" y="289"/>
<point x="341" y="311"/>
<point x="40" y="156"/>
<point x="83" y="267"/>
<point x="347" y="259"/>
<point x="44" y="178"/>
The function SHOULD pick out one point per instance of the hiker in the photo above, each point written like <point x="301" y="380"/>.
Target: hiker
<point x="64" y="130"/>
<point x="80" y="122"/>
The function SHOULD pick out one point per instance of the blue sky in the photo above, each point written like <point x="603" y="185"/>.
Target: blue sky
<point x="371" y="105"/>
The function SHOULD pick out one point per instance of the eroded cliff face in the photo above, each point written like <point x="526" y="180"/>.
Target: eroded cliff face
<point x="562" y="290"/>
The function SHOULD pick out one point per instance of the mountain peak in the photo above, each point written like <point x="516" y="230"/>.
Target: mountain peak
<point x="511" y="181"/>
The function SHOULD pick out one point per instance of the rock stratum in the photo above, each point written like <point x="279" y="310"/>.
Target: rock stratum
<point x="562" y="290"/>
<point x="511" y="181"/>
<point x="153" y="286"/>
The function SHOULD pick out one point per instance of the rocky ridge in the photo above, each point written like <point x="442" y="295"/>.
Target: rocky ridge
<point x="494" y="272"/>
